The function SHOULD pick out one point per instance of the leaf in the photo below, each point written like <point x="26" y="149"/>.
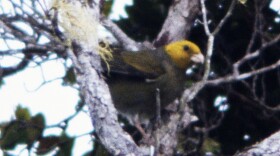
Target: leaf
<point x="65" y="146"/>
<point x="22" y="131"/>
<point x="22" y="113"/>
<point x="64" y="142"/>
<point x="70" y="77"/>
<point x="47" y="144"/>
<point x="10" y="136"/>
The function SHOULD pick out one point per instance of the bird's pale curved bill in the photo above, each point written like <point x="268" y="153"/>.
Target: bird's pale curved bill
<point x="197" y="58"/>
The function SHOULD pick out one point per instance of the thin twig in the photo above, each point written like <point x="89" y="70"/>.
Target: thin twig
<point x="42" y="84"/>
<point x="204" y="17"/>
<point x="232" y="77"/>
<point x="250" y="56"/>
<point x="225" y="18"/>
<point x="189" y="94"/>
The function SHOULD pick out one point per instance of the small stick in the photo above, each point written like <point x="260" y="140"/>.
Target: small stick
<point x="158" y="104"/>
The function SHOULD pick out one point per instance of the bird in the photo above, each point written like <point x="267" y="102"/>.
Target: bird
<point x="135" y="79"/>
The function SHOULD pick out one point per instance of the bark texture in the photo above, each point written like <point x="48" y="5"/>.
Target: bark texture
<point x="268" y="147"/>
<point x="179" y="21"/>
<point x="102" y="111"/>
<point x="96" y="94"/>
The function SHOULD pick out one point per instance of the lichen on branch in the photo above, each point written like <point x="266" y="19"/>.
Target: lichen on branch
<point x="80" y="25"/>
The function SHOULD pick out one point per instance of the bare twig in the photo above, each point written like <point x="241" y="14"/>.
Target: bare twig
<point x="63" y="124"/>
<point x="225" y="18"/>
<point x="250" y="56"/>
<point x="32" y="48"/>
<point x="231" y="78"/>
<point x="42" y="84"/>
<point x="189" y="94"/>
<point x="158" y="108"/>
<point x="255" y="30"/>
<point x="204" y="17"/>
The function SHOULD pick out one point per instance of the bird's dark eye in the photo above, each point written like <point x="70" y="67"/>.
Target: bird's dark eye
<point x="186" y="48"/>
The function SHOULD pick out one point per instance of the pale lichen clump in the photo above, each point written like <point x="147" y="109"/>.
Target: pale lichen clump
<point x="80" y="24"/>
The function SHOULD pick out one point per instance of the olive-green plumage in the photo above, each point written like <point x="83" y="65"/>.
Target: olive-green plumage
<point x="135" y="76"/>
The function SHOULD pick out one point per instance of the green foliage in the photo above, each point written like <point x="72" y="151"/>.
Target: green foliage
<point x="65" y="145"/>
<point x="70" y="77"/>
<point x="49" y="143"/>
<point x="9" y="138"/>
<point x="22" y="113"/>
<point x="25" y="129"/>
<point x="210" y="145"/>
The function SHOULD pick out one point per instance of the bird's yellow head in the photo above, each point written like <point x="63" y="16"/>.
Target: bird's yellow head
<point x="183" y="53"/>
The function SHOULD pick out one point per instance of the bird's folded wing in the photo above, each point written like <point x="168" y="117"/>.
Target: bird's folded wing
<point x="137" y="64"/>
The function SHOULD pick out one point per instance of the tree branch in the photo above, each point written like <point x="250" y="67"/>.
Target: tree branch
<point x="236" y="76"/>
<point x="250" y="56"/>
<point x="225" y="18"/>
<point x="269" y="146"/>
<point x="184" y="13"/>
<point x="231" y="78"/>
<point x="190" y="93"/>
<point x="6" y="71"/>
<point x="88" y="68"/>
<point x="184" y="117"/>
<point x="126" y="42"/>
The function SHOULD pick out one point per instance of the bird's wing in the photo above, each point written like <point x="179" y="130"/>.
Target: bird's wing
<point x="139" y="64"/>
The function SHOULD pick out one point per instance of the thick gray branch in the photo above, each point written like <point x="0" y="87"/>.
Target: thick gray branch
<point x="96" y="94"/>
<point x="126" y="42"/>
<point x="102" y="111"/>
<point x="179" y="21"/>
<point x="269" y="146"/>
